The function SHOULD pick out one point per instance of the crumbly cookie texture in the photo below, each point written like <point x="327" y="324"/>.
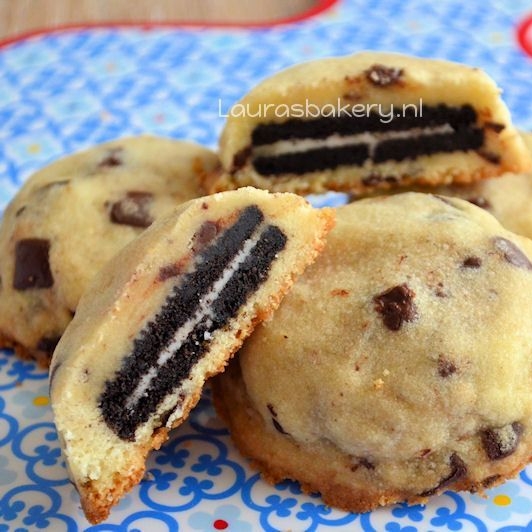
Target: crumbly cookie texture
<point x="386" y="120"/>
<point x="71" y="217"/>
<point x="399" y="364"/>
<point x="160" y="318"/>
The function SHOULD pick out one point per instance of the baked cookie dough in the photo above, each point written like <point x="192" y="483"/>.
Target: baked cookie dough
<point x="368" y="121"/>
<point x="399" y="364"/>
<point x="160" y="318"/>
<point x="71" y="217"/>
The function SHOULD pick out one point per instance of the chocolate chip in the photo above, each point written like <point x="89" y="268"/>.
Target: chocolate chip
<point x="396" y="306"/>
<point x="446" y="367"/>
<point x="20" y="210"/>
<point x="47" y="344"/>
<point x="472" y="262"/>
<point x="458" y="470"/>
<point x="502" y="441"/>
<point x="132" y="210"/>
<point x="272" y="410"/>
<point x="241" y="158"/>
<point x="511" y="253"/>
<point x="32" y="266"/>
<point x="479" y="201"/>
<point x="204" y="235"/>
<point x="382" y="76"/>
<point x="112" y="158"/>
<point x="494" y="126"/>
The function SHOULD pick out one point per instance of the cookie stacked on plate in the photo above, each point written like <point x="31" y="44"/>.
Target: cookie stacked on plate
<point x="408" y="325"/>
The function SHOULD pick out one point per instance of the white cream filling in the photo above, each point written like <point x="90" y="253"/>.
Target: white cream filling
<point x="371" y="139"/>
<point x="204" y="312"/>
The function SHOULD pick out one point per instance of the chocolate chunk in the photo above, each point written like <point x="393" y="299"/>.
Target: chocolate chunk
<point x="132" y="210"/>
<point x="205" y="235"/>
<point x="382" y="76"/>
<point x="32" y="265"/>
<point x="502" y="441"/>
<point x="396" y="306"/>
<point x="458" y="470"/>
<point x="446" y="367"/>
<point x="511" y="253"/>
<point x="47" y="344"/>
<point x="20" y="210"/>
<point x="494" y="126"/>
<point x="472" y="262"/>
<point x="241" y="158"/>
<point x="479" y="201"/>
<point x="112" y="158"/>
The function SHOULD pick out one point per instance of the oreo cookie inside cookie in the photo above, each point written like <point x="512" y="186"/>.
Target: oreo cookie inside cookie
<point x="226" y="271"/>
<point x="298" y="146"/>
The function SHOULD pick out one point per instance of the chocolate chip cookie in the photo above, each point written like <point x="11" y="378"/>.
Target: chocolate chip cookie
<point x="160" y="318"/>
<point x="399" y="364"/>
<point x="71" y="217"/>
<point x="368" y="121"/>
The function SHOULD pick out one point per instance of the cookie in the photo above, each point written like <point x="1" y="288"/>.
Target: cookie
<point x="399" y="364"/>
<point x="368" y="121"/>
<point x="73" y="216"/>
<point x="160" y="318"/>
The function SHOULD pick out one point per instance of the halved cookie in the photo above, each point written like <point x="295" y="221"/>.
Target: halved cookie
<point x="160" y="318"/>
<point x="366" y="121"/>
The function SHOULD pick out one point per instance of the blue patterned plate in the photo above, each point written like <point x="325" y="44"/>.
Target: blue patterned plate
<point x="63" y="91"/>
